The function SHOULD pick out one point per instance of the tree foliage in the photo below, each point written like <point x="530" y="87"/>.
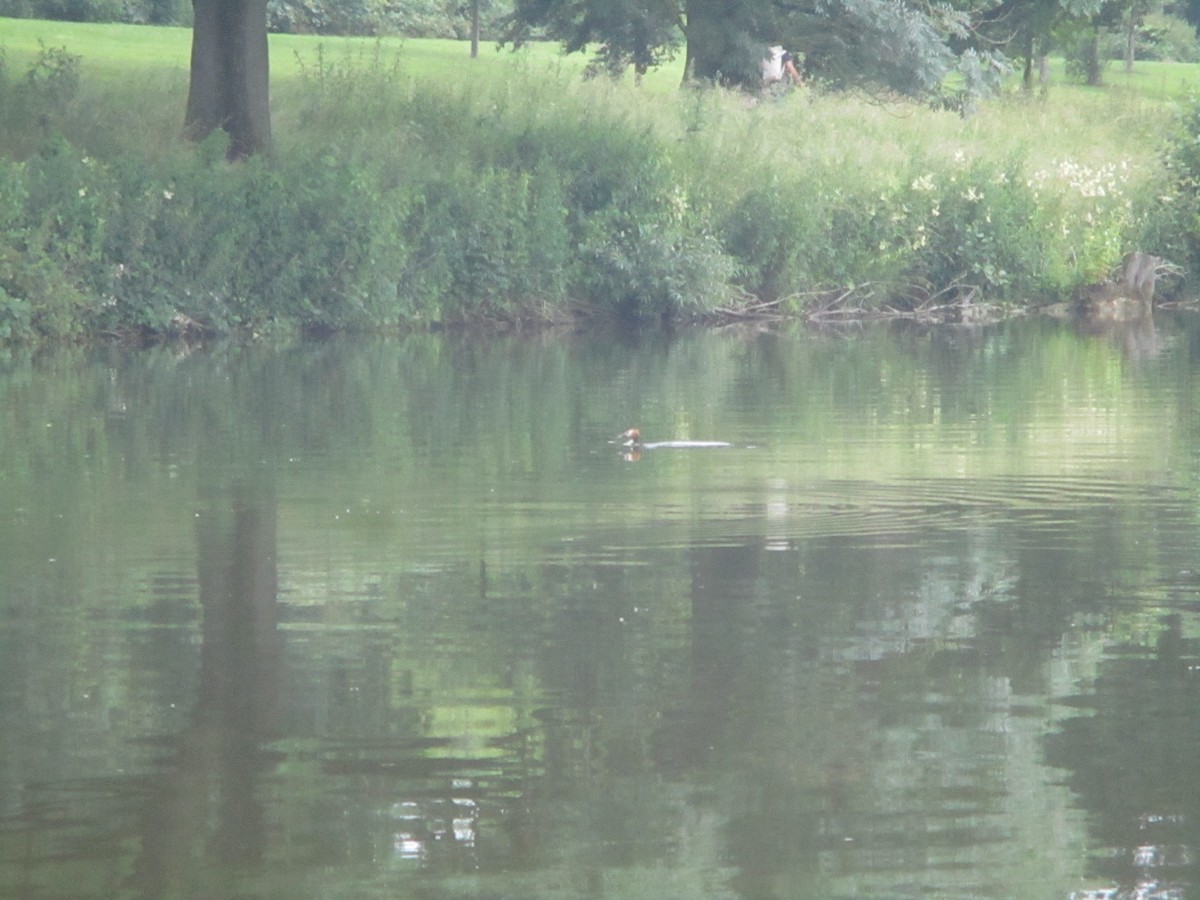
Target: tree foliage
<point x="1032" y="28"/>
<point x="904" y="46"/>
<point x="141" y="12"/>
<point x="415" y="18"/>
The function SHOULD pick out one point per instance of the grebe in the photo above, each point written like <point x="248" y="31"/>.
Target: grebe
<point x="632" y="440"/>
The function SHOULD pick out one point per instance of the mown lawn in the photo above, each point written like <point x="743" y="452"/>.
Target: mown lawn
<point x="118" y="51"/>
<point x="122" y="51"/>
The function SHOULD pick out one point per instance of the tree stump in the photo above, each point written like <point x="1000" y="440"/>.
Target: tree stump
<point x="1128" y="297"/>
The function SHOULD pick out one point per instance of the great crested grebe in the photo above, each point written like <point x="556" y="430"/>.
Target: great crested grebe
<point x="632" y="440"/>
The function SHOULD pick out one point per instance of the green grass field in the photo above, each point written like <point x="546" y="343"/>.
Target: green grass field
<point x="1120" y="121"/>
<point x="119" y="51"/>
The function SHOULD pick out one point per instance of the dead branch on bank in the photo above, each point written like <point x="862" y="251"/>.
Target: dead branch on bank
<point x="957" y="302"/>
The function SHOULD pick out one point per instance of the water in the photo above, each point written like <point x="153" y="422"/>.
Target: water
<point x="395" y="618"/>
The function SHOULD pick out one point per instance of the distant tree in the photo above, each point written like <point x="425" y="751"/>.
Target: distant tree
<point x="642" y="33"/>
<point x="415" y="18"/>
<point x="1190" y="10"/>
<point x="154" y="12"/>
<point x="1133" y="13"/>
<point x="229" y="86"/>
<point x="1083" y="39"/>
<point x="907" y="46"/>
<point x="1030" y="28"/>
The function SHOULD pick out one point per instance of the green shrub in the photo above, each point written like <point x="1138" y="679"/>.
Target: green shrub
<point x="487" y="244"/>
<point x="640" y="248"/>
<point x="38" y="103"/>
<point x="976" y="227"/>
<point x="1172" y="208"/>
<point x="303" y="242"/>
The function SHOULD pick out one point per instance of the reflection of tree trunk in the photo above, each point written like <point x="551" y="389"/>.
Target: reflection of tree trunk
<point x="204" y="811"/>
<point x="720" y="580"/>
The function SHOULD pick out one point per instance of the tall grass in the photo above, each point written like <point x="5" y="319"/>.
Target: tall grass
<point x="411" y="185"/>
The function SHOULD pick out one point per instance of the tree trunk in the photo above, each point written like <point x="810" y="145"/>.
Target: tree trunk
<point x="1027" y="73"/>
<point x="1130" y="42"/>
<point x="474" y="29"/>
<point x="1095" y="67"/>
<point x="229" y="86"/>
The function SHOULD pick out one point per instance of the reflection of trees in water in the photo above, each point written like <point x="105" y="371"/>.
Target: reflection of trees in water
<point x="1135" y="336"/>
<point x="204" y="814"/>
<point x="851" y="715"/>
<point x="1133" y="764"/>
<point x="844" y="702"/>
<point x="792" y="702"/>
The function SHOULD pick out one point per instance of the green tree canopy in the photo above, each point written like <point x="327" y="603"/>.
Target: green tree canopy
<point x="901" y="45"/>
<point x="1030" y="28"/>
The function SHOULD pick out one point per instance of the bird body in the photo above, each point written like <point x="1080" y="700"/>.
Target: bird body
<point x="633" y="439"/>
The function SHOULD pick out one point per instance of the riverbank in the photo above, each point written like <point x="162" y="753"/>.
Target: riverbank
<point x="399" y="195"/>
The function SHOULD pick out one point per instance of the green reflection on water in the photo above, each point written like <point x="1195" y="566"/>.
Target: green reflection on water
<point x="396" y="617"/>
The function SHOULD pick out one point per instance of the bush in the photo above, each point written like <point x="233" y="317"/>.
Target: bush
<point x="486" y="244"/>
<point x="305" y="242"/>
<point x="979" y="228"/>
<point x="50" y="229"/>
<point x="155" y="12"/>
<point x="327" y="239"/>
<point x="42" y="98"/>
<point x="1172" y="217"/>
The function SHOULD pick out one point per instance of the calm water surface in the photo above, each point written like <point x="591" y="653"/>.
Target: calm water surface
<point x="394" y="618"/>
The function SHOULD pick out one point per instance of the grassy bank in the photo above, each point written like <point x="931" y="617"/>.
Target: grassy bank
<point x="411" y="185"/>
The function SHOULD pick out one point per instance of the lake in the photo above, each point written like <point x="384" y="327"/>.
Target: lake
<point x="390" y="618"/>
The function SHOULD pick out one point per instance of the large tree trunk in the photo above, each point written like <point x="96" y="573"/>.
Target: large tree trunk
<point x="229" y="84"/>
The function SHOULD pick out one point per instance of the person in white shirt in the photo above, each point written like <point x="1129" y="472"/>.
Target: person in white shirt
<point x="778" y="63"/>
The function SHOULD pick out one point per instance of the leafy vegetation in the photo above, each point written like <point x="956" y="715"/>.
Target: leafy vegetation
<point x="398" y="197"/>
<point x="416" y="18"/>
